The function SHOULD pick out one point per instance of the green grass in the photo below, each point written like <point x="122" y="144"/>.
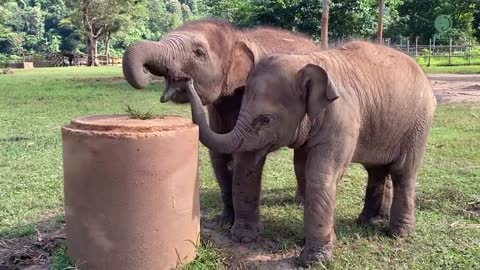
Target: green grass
<point x="61" y="261"/>
<point x="452" y="69"/>
<point x="35" y="104"/>
<point x="438" y="60"/>
<point x="458" y="65"/>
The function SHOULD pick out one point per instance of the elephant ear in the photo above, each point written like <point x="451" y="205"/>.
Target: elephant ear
<point x="317" y="88"/>
<point x="243" y="60"/>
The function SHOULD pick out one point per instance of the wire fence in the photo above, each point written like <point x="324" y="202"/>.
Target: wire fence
<point x="60" y="59"/>
<point x="456" y="53"/>
<point x="453" y="54"/>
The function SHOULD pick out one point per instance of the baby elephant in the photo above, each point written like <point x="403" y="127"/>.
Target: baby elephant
<point x="366" y="103"/>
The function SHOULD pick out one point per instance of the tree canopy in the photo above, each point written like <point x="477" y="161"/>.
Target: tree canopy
<point x="45" y="26"/>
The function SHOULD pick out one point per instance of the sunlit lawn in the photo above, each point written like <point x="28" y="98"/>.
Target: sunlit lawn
<point x="35" y="104"/>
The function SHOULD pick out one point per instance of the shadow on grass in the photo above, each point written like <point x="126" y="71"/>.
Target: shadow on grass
<point x="283" y="219"/>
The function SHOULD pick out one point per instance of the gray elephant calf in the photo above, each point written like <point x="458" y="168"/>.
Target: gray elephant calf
<point x="366" y="103"/>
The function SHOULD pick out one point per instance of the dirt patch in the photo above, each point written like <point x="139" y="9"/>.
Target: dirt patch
<point x="454" y="88"/>
<point x="14" y="139"/>
<point x="32" y="252"/>
<point x="101" y="80"/>
<point x="429" y="200"/>
<point x="472" y="210"/>
<point x="35" y="252"/>
<point x="259" y="255"/>
<point x="115" y="79"/>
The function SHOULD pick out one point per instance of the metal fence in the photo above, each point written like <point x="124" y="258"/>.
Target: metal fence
<point x="61" y="59"/>
<point x="453" y="54"/>
<point x="432" y="54"/>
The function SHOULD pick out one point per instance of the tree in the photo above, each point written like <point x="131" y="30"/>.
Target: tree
<point x="380" y="22"/>
<point x="325" y="14"/>
<point x="101" y="18"/>
<point x="122" y="17"/>
<point x="476" y="22"/>
<point x="418" y="17"/>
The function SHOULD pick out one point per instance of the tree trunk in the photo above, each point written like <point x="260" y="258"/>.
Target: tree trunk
<point x="107" y="47"/>
<point x="92" y="51"/>
<point x="324" y="33"/>
<point x="380" y="22"/>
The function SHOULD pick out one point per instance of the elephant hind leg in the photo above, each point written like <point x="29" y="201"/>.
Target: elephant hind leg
<point x="378" y="197"/>
<point x="404" y="176"/>
<point x="402" y="219"/>
<point x="299" y="162"/>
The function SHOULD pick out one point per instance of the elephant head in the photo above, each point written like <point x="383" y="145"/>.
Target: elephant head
<point x="283" y="95"/>
<point x="209" y="52"/>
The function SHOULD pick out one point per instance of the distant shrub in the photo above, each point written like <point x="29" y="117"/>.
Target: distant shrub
<point x="475" y="51"/>
<point x="6" y="59"/>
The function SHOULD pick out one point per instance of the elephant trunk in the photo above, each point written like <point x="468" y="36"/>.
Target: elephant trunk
<point x="222" y="143"/>
<point x="144" y="57"/>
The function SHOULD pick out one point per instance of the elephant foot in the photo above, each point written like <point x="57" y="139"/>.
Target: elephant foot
<point x="377" y="220"/>
<point x="227" y="218"/>
<point x="311" y="255"/>
<point x="299" y="197"/>
<point x="399" y="231"/>
<point x="246" y="232"/>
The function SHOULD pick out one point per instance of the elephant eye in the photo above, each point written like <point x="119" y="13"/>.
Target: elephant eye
<point x="199" y="52"/>
<point x="264" y="120"/>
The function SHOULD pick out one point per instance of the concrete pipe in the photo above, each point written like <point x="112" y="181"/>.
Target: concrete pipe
<point x="131" y="192"/>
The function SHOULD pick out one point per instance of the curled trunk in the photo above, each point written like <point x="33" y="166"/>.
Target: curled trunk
<point x="222" y="143"/>
<point x="143" y="58"/>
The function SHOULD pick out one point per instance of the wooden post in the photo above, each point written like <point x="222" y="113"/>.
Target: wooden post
<point x="324" y="30"/>
<point x="450" y="52"/>
<point x="408" y="46"/>
<point x="429" y="52"/>
<point x="470" y="52"/>
<point x="416" y="46"/>
<point x="380" y="22"/>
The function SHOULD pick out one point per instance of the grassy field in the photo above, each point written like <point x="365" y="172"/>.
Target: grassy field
<point x="35" y="104"/>
<point x="452" y="69"/>
<point x="438" y="60"/>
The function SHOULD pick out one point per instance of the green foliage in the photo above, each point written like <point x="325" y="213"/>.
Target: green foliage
<point x="347" y="18"/>
<point x="61" y="261"/>
<point x="139" y="114"/>
<point x="417" y="19"/>
<point x="476" y="21"/>
<point x="56" y="25"/>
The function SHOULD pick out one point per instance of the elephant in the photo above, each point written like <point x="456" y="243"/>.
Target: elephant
<point x="218" y="57"/>
<point x="367" y="104"/>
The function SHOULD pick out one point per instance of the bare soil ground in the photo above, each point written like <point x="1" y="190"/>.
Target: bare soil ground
<point x="32" y="252"/>
<point x="453" y="88"/>
<point x="260" y="255"/>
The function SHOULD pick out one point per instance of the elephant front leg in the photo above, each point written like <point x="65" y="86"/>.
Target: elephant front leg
<point x="322" y="174"/>
<point x="299" y="162"/>
<point x="223" y="174"/>
<point x="247" y="175"/>
<point x="378" y="197"/>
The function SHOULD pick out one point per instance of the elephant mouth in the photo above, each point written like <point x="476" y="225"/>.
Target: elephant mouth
<point x="260" y="154"/>
<point x="175" y="87"/>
